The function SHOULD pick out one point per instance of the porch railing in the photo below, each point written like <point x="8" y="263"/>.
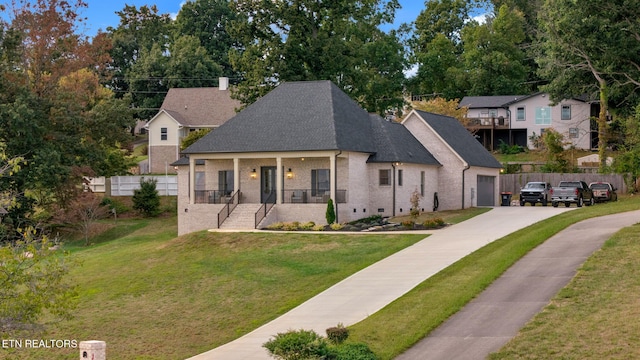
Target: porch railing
<point x="312" y="196"/>
<point x="228" y="208"/>
<point x="264" y="209"/>
<point x="212" y="196"/>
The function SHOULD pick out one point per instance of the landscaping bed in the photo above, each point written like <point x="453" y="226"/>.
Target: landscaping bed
<point x="369" y="224"/>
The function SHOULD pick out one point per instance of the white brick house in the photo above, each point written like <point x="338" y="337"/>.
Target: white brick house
<point x="306" y="142"/>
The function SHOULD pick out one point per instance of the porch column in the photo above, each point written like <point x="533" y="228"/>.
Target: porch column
<point x="236" y="174"/>
<point x="279" y="180"/>
<point x="192" y="180"/>
<point x="333" y="175"/>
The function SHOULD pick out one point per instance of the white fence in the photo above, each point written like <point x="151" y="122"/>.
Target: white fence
<point x="125" y="185"/>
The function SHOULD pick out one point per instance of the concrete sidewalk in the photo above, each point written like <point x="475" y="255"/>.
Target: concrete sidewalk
<point x="369" y="290"/>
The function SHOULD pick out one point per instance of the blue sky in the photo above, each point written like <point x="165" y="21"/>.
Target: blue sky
<point x="102" y="13"/>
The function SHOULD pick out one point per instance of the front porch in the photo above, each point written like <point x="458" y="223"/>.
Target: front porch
<point x="290" y="187"/>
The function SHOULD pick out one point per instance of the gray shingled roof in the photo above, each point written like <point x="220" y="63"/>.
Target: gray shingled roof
<point x="200" y="107"/>
<point x="473" y="102"/>
<point x="462" y="142"/>
<point x="295" y="116"/>
<point x="396" y="144"/>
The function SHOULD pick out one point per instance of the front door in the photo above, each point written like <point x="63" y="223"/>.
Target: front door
<point x="268" y="184"/>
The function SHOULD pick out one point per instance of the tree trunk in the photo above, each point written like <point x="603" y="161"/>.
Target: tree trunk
<point x="602" y="126"/>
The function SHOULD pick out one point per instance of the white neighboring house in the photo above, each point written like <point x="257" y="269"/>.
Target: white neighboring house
<point x="184" y="110"/>
<point x="513" y="119"/>
<point x="307" y="142"/>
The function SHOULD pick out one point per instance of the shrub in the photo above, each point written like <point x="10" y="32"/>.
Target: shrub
<point x="433" y="223"/>
<point x="507" y="149"/>
<point x="275" y="226"/>
<point x="355" y="351"/>
<point x="307" y="226"/>
<point x="293" y="226"/>
<point x="331" y="212"/>
<point x="146" y="199"/>
<point x="408" y="224"/>
<point x="318" y="228"/>
<point x="115" y="204"/>
<point x="368" y="220"/>
<point x="336" y="226"/>
<point x="297" y="345"/>
<point x="337" y="334"/>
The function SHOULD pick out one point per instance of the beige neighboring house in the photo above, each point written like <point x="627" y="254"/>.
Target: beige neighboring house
<point x="184" y="110"/>
<point x="513" y="119"/>
<point x="283" y="157"/>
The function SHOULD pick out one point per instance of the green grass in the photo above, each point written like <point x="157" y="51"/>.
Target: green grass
<point x="449" y="217"/>
<point x="152" y="295"/>
<point x="410" y="318"/>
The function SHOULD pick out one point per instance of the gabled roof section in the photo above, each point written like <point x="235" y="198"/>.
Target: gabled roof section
<point x="200" y="107"/>
<point x="395" y="143"/>
<point x="295" y="116"/>
<point x="481" y="102"/>
<point x="460" y="140"/>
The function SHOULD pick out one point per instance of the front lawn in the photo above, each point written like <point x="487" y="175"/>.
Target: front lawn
<point x="152" y="295"/>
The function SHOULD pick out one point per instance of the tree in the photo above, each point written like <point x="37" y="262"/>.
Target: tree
<point x="590" y="50"/>
<point x="33" y="284"/>
<point x="309" y="40"/>
<point x="193" y="137"/>
<point x="209" y="22"/>
<point x="442" y="106"/>
<point x="492" y="60"/>
<point x="331" y="212"/>
<point x="146" y="199"/>
<point x="84" y="211"/>
<point x="190" y="65"/>
<point x="50" y="93"/>
<point x="628" y="160"/>
<point x="139" y="30"/>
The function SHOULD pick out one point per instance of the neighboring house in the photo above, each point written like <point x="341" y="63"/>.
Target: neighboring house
<point x="515" y="119"/>
<point x="184" y="110"/>
<point x="306" y="142"/>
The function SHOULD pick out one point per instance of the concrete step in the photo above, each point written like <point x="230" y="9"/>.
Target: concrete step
<point x="242" y="217"/>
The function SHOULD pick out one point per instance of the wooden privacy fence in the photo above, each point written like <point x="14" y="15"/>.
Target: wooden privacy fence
<point x="513" y="182"/>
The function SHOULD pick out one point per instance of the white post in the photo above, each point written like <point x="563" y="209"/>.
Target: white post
<point x="93" y="350"/>
<point x="192" y="180"/>
<point x="278" y="180"/>
<point x="236" y="174"/>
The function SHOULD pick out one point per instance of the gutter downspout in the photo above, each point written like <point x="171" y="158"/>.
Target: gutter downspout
<point x="335" y="176"/>
<point x="466" y="167"/>
<point x="393" y="182"/>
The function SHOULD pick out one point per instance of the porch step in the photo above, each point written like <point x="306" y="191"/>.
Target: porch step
<point x="242" y="217"/>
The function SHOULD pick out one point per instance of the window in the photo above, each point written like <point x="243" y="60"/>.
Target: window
<point x="384" y="177"/>
<point x="320" y="182"/>
<point x="543" y="115"/>
<point x="399" y="177"/>
<point x="163" y="133"/>
<point x="200" y="180"/>
<point x="225" y="182"/>
<point x="573" y="133"/>
<point x="421" y="183"/>
<point x="493" y="113"/>
<point x="566" y="112"/>
<point x="520" y="114"/>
